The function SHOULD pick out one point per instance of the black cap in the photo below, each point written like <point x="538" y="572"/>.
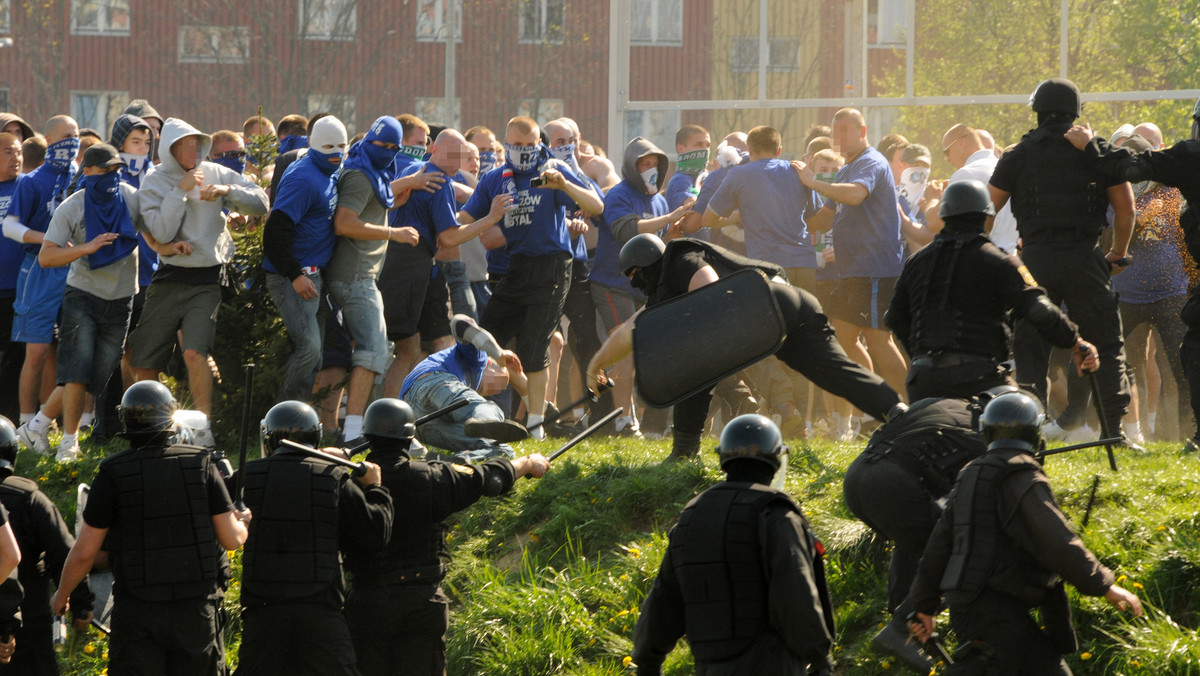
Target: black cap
<point x="102" y="155"/>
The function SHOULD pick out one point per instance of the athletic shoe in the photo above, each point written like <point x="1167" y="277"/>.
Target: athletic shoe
<point x="1082" y="435"/>
<point x="38" y="442"/>
<point x="1191" y="446"/>
<point x="204" y="437"/>
<point x="1052" y="431"/>
<point x="504" y="431"/>
<point x="67" y="453"/>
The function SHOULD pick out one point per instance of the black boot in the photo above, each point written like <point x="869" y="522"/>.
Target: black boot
<point x="684" y="446"/>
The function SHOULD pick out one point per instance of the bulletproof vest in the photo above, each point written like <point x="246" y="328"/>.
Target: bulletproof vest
<point x="1059" y="195"/>
<point x="932" y="441"/>
<point x="718" y="551"/>
<point x="17" y="496"/>
<point x="417" y="551"/>
<point x="939" y="325"/>
<point x="163" y="546"/>
<point x="292" y="550"/>
<point x="983" y="556"/>
<point x="724" y="261"/>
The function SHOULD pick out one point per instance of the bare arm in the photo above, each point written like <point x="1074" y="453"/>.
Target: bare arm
<point x="230" y="528"/>
<point x="471" y="228"/>
<point x="79" y="564"/>
<point x="55" y="256"/>
<point x="347" y="223"/>
<point x="1120" y="196"/>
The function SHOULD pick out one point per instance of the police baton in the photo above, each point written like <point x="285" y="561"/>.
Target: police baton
<point x="586" y="433"/>
<point x="359" y="468"/>
<point x="442" y="411"/>
<point x="1105" y="431"/>
<point x="591" y="396"/>
<point x="940" y="650"/>
<point x="1077" y="447"/>
<point x="244" y="440"/>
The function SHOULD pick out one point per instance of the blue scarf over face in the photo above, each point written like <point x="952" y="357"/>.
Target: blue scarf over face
<point x="375" y="161"/>
<point x="104" y="211"/>
<point x="292" y="142"/>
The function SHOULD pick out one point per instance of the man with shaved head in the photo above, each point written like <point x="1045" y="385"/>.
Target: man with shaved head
<point x="39" y="290"/>
<point x="1150" y="132"/>
<point x="861" y="209"/>
<point x="970" y="152"/>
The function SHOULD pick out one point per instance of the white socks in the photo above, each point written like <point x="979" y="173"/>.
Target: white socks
<point x="536" y="432"/>
<point x="352" y="429"/>
<point x="39" y="422"/>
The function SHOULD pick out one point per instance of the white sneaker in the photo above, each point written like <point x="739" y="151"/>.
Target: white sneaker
<point x="1051" y="431"/>
<point x="67" y="453"/>
<point x="204" y="437"/>
<point x="38" y="442"/>
<point x="1081" y="435"/>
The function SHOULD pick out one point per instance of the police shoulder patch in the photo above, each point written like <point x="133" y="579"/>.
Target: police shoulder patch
<point x="463" y="469"/>
<point x="1025" y="275"/>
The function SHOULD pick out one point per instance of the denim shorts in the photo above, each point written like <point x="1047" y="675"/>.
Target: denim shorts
<point x="92" y="338"/>
<point x="362" y="313"/>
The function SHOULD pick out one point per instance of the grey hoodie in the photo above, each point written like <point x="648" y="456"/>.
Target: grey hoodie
<point x="170" y="214"/>
<point x="637" y="149"/>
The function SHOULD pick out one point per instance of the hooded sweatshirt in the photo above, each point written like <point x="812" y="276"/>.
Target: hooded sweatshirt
<point x="625" y="205"/>
<point x="171" y="214"/>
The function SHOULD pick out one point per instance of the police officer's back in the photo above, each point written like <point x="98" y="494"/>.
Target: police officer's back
<point x="998" y="551"/>
<point x="403" y="582"/>
<point x="307" y="510"/>
<point x="743" y="575"/>
<point x="951" y="304"/>
<point x="45" y="541"/>
<point x="164" y="514"/>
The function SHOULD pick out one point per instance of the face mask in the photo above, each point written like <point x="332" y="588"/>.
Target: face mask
<point x="638" y="281"/>
<point x="524" y="159"/>
<point x="60" y="154"/>
<point x="380" y="157"/>
<point x="650" y="178"/>
<point x="104" y="187"/>
<point x="487" y="161"/>
<point x="413" y="151"/>
<point x="230" y="163"/>
<point x="826" y="178"/>
<point x="692" y="163"/>
<point x="322" y="160"/>
<point x="135" y="164"/>
<point x="566" y="154"/>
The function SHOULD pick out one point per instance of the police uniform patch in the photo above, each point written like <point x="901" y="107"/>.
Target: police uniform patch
<point x="1025" y="275"/>
<point x="463" y="469"/>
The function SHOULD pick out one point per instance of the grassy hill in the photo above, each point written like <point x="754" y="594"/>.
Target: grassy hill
<point x="549" y="579"/>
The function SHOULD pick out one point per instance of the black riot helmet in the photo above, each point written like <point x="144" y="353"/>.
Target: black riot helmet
<point x="641" y="251"/>
<point x="752" y="437"/>
<point x="292" y="420"/>
<point x="146" y="410"/>
<point x="1057" y="95"/>
<point x="9" y="445"/>
<point x="389" y="419"/>
<point x="1013" y="420"/>
<point x="966" y="197"/>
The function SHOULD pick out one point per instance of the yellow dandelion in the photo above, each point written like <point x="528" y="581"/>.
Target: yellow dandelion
<point x="1134" y="663"/>
<point x="1085" y="656"/>
<point x="885" y="664"/>
<point x="1122" y="579"/>
<point x="591" y="643"/>
<point x="624" y="577"/>
<point x="635" y="552"/>
<point x="1138" y="585"/>
<point x="593" y="501"/>
<point x="534" y="537"/>
<point x="626" y="661"/>
<point x="1161" y="528"/>
<point x="89" y="648"/>
<point x="623" y="613"/>
<point x="609" y="499"/>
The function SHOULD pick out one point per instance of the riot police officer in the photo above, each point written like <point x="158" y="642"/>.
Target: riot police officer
<point x="999" y="550"/>
<point x="952" y="300"/>
<point x="897" y="485"/>
<point x="743" y="573"/>
<point x="402" y="583"/>
<point x="43" y="537"/>
<point x="666" y="271"/>
<point x="1060" y="198"/>
<point x="307" y="509"/>
<point x="167" y="516"/>
<point x="10" y="588"/>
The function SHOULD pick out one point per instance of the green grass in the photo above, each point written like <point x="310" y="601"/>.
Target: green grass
<point x="549" y="579"/>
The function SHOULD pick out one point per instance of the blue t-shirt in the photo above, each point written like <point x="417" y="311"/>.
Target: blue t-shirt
<point x="430" y="213"/>
<point x="308" y="196"/>
<point x="537" y="226"/>
<point x="11" y="253"/>
<point x="679" y="188"/>
<point x="1157" y="272"/>
<point x="708" y="188"/>
<point x="621" y="201"/>
<point x="866" y="237"/>
<point x="35" y="199"/>
<point x="772" y="201"/>
<point x="464" y="361"/>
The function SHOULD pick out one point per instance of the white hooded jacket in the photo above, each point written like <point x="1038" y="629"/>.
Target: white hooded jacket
<point x="171" y="214"/>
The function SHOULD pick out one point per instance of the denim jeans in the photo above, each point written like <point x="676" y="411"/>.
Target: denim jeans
<point x="462" y="299"/>
<point x="305" y="326"/>
<point x="439" y="389"/>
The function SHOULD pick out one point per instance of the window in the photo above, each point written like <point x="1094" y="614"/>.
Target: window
<point x="98" y="110"/>
<point x="658" y="126"/>
<point x="214" y="44"/>
<point x="328" y="19"/>
<point x="341" y="107"/>
<point x="432" y="110"/>
<point x="5" y="95"/>
<point x="541" y="21"/>
<point x="5" y="26"/>
<point x="542" y="110"/>
<point x="99" y="17"/>
<point x="783" y="55"/>
<point x="657" y="22"/>
<point x="885" y="23"/>
<point x="431" y="20"/>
